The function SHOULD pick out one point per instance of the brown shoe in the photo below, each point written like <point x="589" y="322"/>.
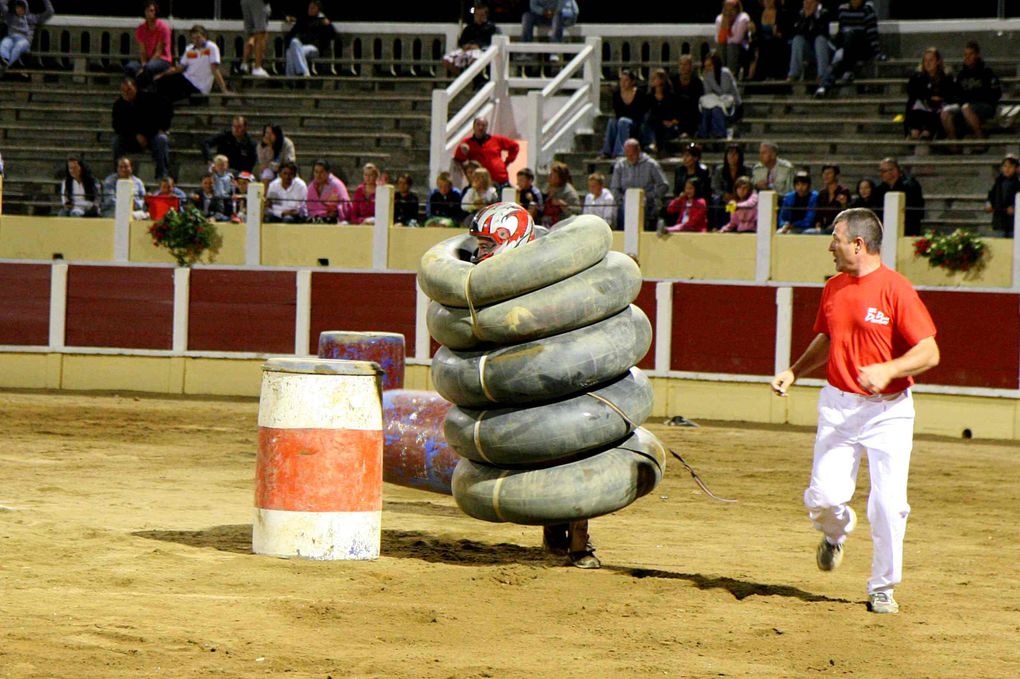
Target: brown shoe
<point x="585" y="559"/>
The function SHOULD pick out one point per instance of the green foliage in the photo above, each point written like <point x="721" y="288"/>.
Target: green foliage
<point x="186" y="234"/>
<point x="960" y="250"/>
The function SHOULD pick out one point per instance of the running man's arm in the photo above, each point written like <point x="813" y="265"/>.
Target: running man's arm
<point x="921" y="357"/>
<point x="813" y="357"/>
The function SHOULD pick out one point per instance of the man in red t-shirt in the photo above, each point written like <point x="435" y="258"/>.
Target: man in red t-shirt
<point x="154" y="40"/>
<point x="488" y="149"/>
<point x="874" y="333"/>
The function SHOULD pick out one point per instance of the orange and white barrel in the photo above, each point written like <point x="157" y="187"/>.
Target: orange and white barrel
<point x="318" y="485"/>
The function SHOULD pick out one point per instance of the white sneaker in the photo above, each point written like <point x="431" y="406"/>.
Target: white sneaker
<point x="243" y="68"/>
<point x="882" y="602"/>
<point x="259" y="72"/>
<point x="554" y="58"/>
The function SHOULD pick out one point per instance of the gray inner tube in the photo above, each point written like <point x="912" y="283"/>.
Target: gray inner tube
<point x="544" y="369"/>
<point x="582" y="489"/>
<point x="573" y="246"/>
<point x="550" y="431"/>
<point x="574" y="302"/>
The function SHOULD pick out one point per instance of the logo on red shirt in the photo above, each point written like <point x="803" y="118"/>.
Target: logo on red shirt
<point x="875" y="316"/>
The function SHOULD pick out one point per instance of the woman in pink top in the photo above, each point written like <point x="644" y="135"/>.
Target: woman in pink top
<point x="363" y="203"/>
<point x="154" y="40"/>
<point x="744" y="208"/>
<point x="690" y="212"/>
<point x="731" y="35"/>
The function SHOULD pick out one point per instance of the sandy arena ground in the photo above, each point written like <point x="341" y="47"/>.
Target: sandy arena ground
<point x="125" y="535"/>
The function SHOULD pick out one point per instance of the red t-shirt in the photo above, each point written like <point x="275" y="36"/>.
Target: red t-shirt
<point x="870" y="319"/>
<point x="159" y="34"/>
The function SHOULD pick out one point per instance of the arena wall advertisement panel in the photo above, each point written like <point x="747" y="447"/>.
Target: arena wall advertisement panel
<point x="24" y="304"/>
<point x="128" y="307"/>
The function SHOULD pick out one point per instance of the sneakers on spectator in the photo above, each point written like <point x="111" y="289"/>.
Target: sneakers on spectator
<point x="882" y="602"/>
<point x="554" y="58"/>
<point x="243" y="68"/>
<point x="259" y="72"/>
<point x="820" y="92"/>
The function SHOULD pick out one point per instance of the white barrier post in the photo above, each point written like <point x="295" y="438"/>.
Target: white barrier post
<point x="253" y="224"/>
<point x="784" y="328"/>
<point x="534" y="119"/>
<point x="303" y="313"/>
<point x="437" y="143"/>
<point x="509" y="194"/>
<point x="58" y="306"/>
<point x="422" y="338"/>
<point x="663" y="325"/>
<point x="122" y="219"/>
<point x="182" y="297"/>
<point x="1016" y="243"/>
<point x="892" y="227"/>
<point x="633" y="219"/>
<point x="764" y="234"/>
<point x="384" y="194"/>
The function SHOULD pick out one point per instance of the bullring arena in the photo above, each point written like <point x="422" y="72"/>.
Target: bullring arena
<point x="129" y="391"/>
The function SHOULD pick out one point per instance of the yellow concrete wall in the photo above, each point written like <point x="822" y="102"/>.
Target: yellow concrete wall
<point x="162" y="375"/>
<point x="223" y="377"/>
<point x="407" y="245"/>
<point x="801" y="259"/>
<point x="719" y="256"/>
<point x="75" y="238"/>
<point x="141" y="249"/>
<point x="25" y="371"/>
<point x="997" y="272"/>
<point x="617" y="241"/>
<point x="348" y="247"/>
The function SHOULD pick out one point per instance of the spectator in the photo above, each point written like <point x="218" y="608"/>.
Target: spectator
<point x="732" y="35"/>
<point x="556" y="13"/>
<point x="79" y="192"/>
<point x="208" y="203"/>
<point x="154" y="40"/>
<point x="866" y="196"/>
<point x="978" y="91"/>
<point x="287" y="196"/>
<point x="894" y="179"/>
<point x="810" y="40"/>
<point x="833" y="198"/>
<point x="560" y="197"/>
<point x="599" y="200"/>
<point x="720" y="105"/>
<point x="688" y="212"/>
<point x="856" y="42"/>
<point x="310" y="36"/>
<point x="1002" y="197"/>
<point x="474" y="39"/>
<point x="241" y="196"/>
<point x="255" y="14"/>
<point x="469" y="172"/>
<point x="663" y="117"/>
<point x="929" y="89"/>
<point x="236" y="144"/>
<point x="637" y="170"/>
<point x="328" y="200"/>
<point x="743" y="208"/>
<point x="442" y="207"/>
<point x="195" y="73"/>
<point x="691" y="167"/>
<point x="168" y="187"/>
<point x="723" y="184"/>
<point x="109" y="201"/>
<point x="797" y="214"/>
<point x="223" y="180"/>
<point x="363" y="203"/>
<point x="480" y="194"/>
<point x="488" y="149"/>
<point x="630" y="103"/>
<point x="688" y="88"/>
<point x="406" y="203"/>
<point x="140" y="123"/>
<point x="772" y="173"/>
<point x="770" y="46"/>
<point x="21" y="25"/>
<point x="275" y="150"/>
<point x="528" y="196"/>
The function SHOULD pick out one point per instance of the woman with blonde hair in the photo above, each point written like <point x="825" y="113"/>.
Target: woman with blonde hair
<point x="363" y="203"/>
<point x="480" y="194"/>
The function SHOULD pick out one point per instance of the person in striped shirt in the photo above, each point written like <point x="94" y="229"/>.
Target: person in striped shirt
<point x="856" y="42"/>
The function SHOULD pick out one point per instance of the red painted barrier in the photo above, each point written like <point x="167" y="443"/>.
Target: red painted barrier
<point x="237" y="310"/>
<point x="805" y="308"/>
<point x="25" y="304"/>
<point x="128" y="307"/>
<point x="647" y="303"/>
<point x="363" y="301"/>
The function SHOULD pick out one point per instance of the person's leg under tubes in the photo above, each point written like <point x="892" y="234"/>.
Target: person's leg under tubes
<point x="837" y="458"/>
<point x="579" y="538"/>
<point x="556" y="538"/>
<point x="889" y="440"/>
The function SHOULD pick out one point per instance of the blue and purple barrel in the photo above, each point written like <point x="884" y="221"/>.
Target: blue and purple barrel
<point x="415" y="452"/>
<point x="384" y="348"/>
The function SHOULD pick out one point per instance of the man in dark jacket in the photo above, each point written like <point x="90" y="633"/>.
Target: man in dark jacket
<point x="1002" y="198"/>
<point x="476" y="36"/>
<point x="235" y="144"/>
<point x="893" y="179"/>
<point x="979" y="92"/>
<point x="310" y="36"/>
<point x="856" y="41"/>
<point x="140" y="123"/>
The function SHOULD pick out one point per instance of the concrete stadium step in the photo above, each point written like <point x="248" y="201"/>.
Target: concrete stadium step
<point x="860" y="86"/>
<point x="821" y="126"/>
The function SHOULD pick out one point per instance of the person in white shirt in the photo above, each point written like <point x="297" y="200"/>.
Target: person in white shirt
<point x="198" y="69"/>
<point x="287" y="196"/>
<point x="600" y="201"/>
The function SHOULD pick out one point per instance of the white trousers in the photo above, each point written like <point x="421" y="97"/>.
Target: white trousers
<point x="849" y="425"/>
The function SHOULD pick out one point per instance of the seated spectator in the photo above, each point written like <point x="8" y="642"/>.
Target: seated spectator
<point x="894" y="179"/>
<point x="480" y="194"/>
<point x="21" y="25"/>
<point x="474" y="39"/>
<point x="865" y="196"/>
<point x="236" y="144"/>
<point x="978" y="92"/>
<point x="363" y="202"/>
<point x="556" y="13"/>
<point x="810" y="40"/>
<point x="929" y="90"/>
<point x="79" y="192"/>
<point x="154" y="42"/>
<point x="469" y="171"/>
<point x="109" y="204"/>
<point x="691" y="166"/>
<point x="310" y="36"/>
<point x="527" y="195"/>
<point x="168" y="187"/>
<point x="688" y="88"/>
<point x="772" y="173"/>
<point x="723" y="185"/>
<point x="195" y="73"/>
<point x="629" y="107"/>
<point x="1002" y="197"/>
<point x="287" y="196"/>
<point x="223" y="180"/>
<point x="638" y="170"/>
<point x="833" y="198"/>
<point x="688" y="212"/>
<point x="663" y="117"/>
<point x="599" y="200"/>
<point x="140" y="123"/>
<point x="241" y="196"/>
<point x="442" y="207"/>
<point x="743" y="208"/>
<point x="328" y="200"/>
<point x="560" y="198"/>
<point x="770" y="45"/>
<point x="733" y="35"/>
<point x="405" y="202"/>
<point x="856" y="42"/>
<point x="275" y="150"/>
<point x="488" y="150"/>
<point x="720" y="105"/>
<point x="208" y="203"/>
<point x="797" y="214"/>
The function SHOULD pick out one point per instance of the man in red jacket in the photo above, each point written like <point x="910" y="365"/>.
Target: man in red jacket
<point x="488" y="149"/>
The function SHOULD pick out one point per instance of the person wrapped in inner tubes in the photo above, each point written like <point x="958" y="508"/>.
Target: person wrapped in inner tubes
<point x="498" y="228"/>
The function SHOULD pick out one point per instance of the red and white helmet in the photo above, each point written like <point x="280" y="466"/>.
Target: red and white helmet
<point x="500" y="227"/>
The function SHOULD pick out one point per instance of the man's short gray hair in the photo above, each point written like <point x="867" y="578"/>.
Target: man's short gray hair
<point x="864" y="224"/>
<point x="771" y="145"/>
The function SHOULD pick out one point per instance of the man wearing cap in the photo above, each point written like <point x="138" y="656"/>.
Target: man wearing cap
<point x="797" y="214"/>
